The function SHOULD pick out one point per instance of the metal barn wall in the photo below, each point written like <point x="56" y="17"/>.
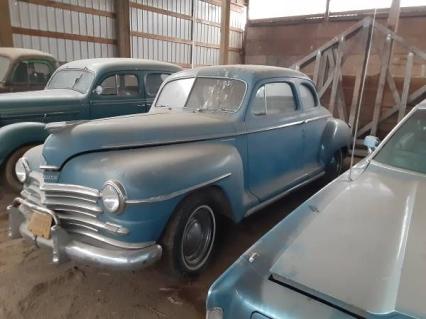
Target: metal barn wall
<point x="68" y="29"/>
<point x="186" y="32"/>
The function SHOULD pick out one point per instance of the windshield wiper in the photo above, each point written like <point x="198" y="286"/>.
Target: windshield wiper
<point x="77" y="80"/>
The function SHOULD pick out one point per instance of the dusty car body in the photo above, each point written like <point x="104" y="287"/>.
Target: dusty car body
<point x="220" y="142"/>
<point x="356" y="249"/>
<point x="25" y="69"/>
<point x="79" y="90"/>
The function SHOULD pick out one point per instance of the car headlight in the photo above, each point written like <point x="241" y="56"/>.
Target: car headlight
<point x="22" y="170"/>
<point x="214" y="313"/>
<point x="113" y="197"/>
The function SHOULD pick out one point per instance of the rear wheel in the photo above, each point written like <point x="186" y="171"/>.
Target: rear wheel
<point x="190" y="236"/>
<point x="334" y="167"/>
<point x="9" y="168"/>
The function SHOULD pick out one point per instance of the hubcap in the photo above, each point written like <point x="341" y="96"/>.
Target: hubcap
<point x="198" y="237"/>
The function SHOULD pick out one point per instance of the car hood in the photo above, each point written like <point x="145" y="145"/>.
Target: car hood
<point x="11" y="102"/>
<point x="363" y="246"/>
<point x="150" y="129"/>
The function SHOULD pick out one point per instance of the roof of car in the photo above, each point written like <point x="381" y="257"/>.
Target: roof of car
<point x="105" y="64"/>
<point x="244" y="72"/>
<point x="15" y="53"/>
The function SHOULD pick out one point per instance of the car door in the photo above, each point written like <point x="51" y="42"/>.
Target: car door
<point x="152" y="83"/>
<point x="274" y="140"/>
<point x="116" y="94"/>
<point x="315" y="118"/>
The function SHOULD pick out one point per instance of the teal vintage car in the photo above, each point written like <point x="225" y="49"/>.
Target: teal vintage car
<point x="79" y="90"/>
<point x="220" y="142"/>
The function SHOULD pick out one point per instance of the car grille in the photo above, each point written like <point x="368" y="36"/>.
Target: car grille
<point x="75" y="206"/>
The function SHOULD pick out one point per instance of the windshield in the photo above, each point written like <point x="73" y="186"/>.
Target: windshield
<point x="203" y="94"/>
<point x="4" y="66"/>
<point x="77" y="80"/>
<point x="407" y="147"/>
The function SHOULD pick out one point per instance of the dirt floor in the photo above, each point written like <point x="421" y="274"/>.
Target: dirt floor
<point x="32" y="287"/>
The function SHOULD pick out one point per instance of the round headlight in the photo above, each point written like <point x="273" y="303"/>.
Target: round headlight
<point x="22" y="170"/>
<point x="113" y="197"/>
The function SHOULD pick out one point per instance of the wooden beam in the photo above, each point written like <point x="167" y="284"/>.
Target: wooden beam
<point x="6" y="38"/>
<point x="317" y="67"/>
<point x="393" y="18"/>
<point x="122" y="27"/>
<point x="62" y="35"/>
<point x="327" y="11"/>
<point x="336" y="75"/>
<point x="224" y="31"/>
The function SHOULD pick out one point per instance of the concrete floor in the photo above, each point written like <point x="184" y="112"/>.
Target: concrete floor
<point x="32" y="287"/>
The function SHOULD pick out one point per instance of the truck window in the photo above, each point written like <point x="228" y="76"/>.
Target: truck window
<point x="153" y="82"/>
<point x="307" y="97"/>
<point x="120" y="85"/>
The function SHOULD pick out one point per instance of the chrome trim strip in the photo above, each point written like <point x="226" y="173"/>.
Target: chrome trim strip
<point x="70" y="188"/>
<point x="317" y="118"/>
<point x="64" y="205"/>
<point x="113" y="228"/>
<point x="164" y="197"/>
<point x="49" y="167"/>
<point x="110" y="241"/>
<point x="277" y="197"/>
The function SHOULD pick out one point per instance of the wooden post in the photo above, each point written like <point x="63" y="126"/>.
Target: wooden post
<point x="327" y="11"/>
<point x="393" y="18"/>
<point x="224" y="31"/>
<point x="6" y="34"/>
<point x="336" y="75"/>
<point x="384" y="68"/>
<point x="122" y="23"/>
<point x="316" y="67"/>
<point x="406" y="86"/>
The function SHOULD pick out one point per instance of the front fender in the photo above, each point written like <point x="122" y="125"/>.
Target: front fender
<point x="16" y="135"/>
<point x="156" y="179"/>
<point x="336" y="135"/>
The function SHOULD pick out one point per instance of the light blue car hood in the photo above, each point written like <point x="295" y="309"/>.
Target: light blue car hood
<point x="365" y="247"/>
<point x="154" y="128"/>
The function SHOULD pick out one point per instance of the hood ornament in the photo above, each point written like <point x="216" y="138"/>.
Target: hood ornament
<point x="56" y="127"/>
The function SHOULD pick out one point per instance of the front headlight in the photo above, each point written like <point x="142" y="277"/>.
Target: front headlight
<point x="215" y="313"/>
<point x="113" y="197"/>
<point x="22" y="170"/>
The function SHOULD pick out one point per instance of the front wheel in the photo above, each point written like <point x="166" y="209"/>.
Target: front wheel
<point x="190" y="236"/>
<point x="9" y="168"/>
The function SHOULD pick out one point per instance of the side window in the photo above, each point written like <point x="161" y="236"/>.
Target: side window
<point x="120" y="85"/>
<point x="258" y="106"/>
<point x="38" y="72"/>
<point x="153" y="82"/>
<point x="307" y="97"/>
<point x="21" y="73"/>
<point x="279" y="98"/>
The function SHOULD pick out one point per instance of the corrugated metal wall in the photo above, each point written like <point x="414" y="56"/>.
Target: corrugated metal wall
<point x="70" y="30"/>
<point x="186" y="32"/>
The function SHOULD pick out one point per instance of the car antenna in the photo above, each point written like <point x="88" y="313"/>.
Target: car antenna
<point x="365" y="68"/>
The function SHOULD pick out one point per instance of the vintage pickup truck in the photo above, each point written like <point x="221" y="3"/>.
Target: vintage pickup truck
<point x="221" y="142"/>
<point x="79" y="90"/>
<point x="25" y="69"/>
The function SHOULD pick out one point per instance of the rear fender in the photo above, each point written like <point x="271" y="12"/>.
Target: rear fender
<point x="336" y="135"/>
<point x="16" y="135"/>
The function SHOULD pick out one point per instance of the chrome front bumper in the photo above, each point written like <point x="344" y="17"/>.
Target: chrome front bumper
<point x="65" y="247"/>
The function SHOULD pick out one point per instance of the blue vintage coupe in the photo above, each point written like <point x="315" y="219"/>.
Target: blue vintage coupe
<point x="356" y="249"/>
<point x="221" y="141"/>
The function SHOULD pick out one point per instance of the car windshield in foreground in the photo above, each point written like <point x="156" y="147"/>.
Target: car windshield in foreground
<point x="77" y="80"/>
<point x="4" y="66"/>
<point x="406" y="149"/>
<point x="203" y="94"/>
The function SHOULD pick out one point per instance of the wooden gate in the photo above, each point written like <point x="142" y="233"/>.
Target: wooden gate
<point x="326" y="67"/>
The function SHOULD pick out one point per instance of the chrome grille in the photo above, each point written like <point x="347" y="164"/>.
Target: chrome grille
<point x="76" y="206"/>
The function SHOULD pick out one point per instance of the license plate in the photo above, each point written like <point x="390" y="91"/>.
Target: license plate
<point x="40" y="225"/>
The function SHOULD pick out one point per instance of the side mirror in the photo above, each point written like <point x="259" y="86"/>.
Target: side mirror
<point x="371" y="142"/>
<point x="98" y="90"/>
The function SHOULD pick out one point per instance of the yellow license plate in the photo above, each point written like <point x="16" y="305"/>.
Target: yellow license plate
<point x="40" y="225"/>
